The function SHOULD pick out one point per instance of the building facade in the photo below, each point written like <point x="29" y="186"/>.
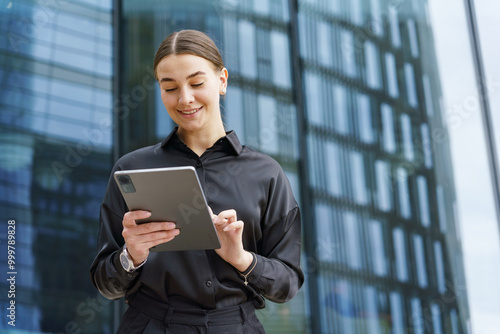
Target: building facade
<point x="343" y="94"/>
<point x="55" y="157"/>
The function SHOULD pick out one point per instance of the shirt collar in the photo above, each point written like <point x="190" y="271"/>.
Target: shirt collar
<point x="231" y="138"/>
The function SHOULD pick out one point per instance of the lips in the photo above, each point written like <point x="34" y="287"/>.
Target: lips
<point x="189" y="112"/>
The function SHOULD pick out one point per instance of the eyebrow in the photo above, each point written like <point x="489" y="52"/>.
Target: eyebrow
<point x="188" y="77"/>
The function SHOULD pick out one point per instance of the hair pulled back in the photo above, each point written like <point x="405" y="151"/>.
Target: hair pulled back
<point x="192" y="42"/>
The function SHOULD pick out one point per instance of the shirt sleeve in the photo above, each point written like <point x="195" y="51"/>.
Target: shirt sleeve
<point x="106" y="271"/>
<point x="277" y="274"/>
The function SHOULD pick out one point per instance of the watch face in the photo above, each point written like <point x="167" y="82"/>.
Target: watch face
<point x="124" y="261"/>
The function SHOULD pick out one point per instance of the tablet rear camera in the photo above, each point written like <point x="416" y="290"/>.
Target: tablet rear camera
<point x="126" y="184"/>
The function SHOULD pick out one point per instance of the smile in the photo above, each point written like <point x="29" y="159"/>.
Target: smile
<point x="189" y="112"/>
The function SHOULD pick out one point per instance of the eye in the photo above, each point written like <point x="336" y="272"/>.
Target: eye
<point x="170" y="89"/>
<point x="198" y="84"/>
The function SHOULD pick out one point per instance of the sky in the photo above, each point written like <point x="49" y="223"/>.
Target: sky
<point x="474" y="207"/>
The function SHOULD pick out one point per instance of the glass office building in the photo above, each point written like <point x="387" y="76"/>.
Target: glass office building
<point x="344" y="94"/>
<point x="55" y="157"/>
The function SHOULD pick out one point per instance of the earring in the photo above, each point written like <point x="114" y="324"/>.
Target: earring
<point x="223" y="90"/>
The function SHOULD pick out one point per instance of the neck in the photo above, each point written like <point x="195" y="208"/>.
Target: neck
<point x="199" y="141"/>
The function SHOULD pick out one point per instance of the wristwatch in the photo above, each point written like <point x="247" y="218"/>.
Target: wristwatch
<point x="127" y="262"/>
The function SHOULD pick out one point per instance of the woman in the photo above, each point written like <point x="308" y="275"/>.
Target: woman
<point x="258" y="220"/>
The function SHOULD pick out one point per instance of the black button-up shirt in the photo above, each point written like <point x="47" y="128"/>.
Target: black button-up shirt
<point x="232" y="177"/>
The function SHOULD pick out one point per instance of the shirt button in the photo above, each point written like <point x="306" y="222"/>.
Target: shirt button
<point x="209" y="283"/>
<point x="198" y="165"/>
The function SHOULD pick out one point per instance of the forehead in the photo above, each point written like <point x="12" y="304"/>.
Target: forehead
<point x="180" y="66"/>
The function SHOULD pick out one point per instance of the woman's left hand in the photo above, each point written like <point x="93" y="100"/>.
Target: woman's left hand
<point x="230" y="231"/>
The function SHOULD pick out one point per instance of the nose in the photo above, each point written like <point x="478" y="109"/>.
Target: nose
<point x="185" y="96"/>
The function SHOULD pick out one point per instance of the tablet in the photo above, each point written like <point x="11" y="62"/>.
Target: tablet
<point x="172" y="195"/>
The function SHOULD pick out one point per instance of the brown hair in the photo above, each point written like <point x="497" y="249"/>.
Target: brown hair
<point x="189" y="42"/>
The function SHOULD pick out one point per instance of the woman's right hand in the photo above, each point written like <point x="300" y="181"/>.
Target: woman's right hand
<point x="139" y="238"/>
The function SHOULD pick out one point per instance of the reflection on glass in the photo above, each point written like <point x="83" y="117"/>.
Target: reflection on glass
<point x="400" y="253"/>
<point x="418" y="245"/>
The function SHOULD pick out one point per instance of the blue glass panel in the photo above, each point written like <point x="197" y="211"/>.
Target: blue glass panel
<point x="372" y="65"/>
<point x="365" y="118"/>
<point x="348" y="52"/>
<point x="268" y="130"/>
<point x="233" y="113"/>
<point x="324" y="43"/>
<point x="394" y="26"/>
<point x="392" y="78"/>
<point x="406" y="132"/>
<point x="443" y="219"/>
<point x="400" y="254"/>
<point x="411" y="90"/>
<point x="248" y="55"/>
<point x="423" y="200"/>
<point x="436" y="319"/>
<point x="261" y="7"/>
<point x="454" y="321"/>
<point x="417" y="319"/>
<point x="314" y="99"/>
<point x="403" y="193"/>
<point x="352" y="240"/>
<point x="377" y="248"/>
<point x="281" y="60"/>
<point x="420" y="260"/>
<point x="426" y="145"/>
<point x="376" y="20"/>
<point x="412" y="34"/>
<point x="332" y="157"/>
<point x="371" y="311"/>
<point x="326" y="243"/>
<point x="388" y="131"/>
<point x="341" y="118"/>
<point x="384" y="185"/>
<point x="358" y="178"/>
<point x="428" y="95"/>
<point x="438" y="254"/>
<point x="397" y="314"/>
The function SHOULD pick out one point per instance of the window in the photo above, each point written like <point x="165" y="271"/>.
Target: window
<point x="411" y="90"/>
<point x="233" y="118"/>
<point x="247" y="49"/>
<point x="364" y="118"/>
<point x="394" y="26"/>
<point x="388" y="132"/>
<point x="352" y="240"/>
<point x="377" y="24"/>
<point x="428" y="95"/>
<point x="348" y="53"/>
<point x="412" y="34"/>
<point x="314" y="99"/>
<point x="358" y="179"/>
<point x="397" y="315"/>
<point x="281" y="61"/>
<point x="438" y="254"/>
<point x="371" y="307"/>
<point x="400" y="254"/>
<point x="443" y="219"/>
<point x="377" y="247"/>
<point x="403" y="193"/>
<point x="392" y="76"/>
<point x="332" y="157"/>
<point x="406" y="131"/>
<point x="423" y="200"/>
<point x="268" y="130"/>
<point x="325" y="248"/>
<point x="436" y="319"/>
<point x="418" y="245"/>
<point x="340" y="109"/>
<point x="417" y="319"/>
<point x="426" y="145"/>
<point x="384" y="185"/>
<point x="324" y="43"/>
<point x="372" y="65"/>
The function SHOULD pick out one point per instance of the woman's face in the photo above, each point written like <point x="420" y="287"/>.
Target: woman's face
<point x="190" y="90"/>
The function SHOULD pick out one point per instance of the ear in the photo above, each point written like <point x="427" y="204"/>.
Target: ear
<point x="223" y="81"/>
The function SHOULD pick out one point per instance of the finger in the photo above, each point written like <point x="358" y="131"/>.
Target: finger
<point x="130" y="217"/>
<point x="148" y="228"/>
<point x="234" y="226"/>
<point x="227" y="215"/>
